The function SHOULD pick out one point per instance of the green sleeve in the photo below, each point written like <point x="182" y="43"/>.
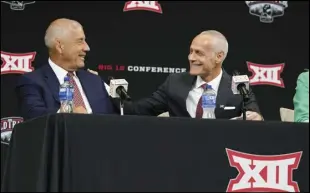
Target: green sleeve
<point x="301" y="98"/>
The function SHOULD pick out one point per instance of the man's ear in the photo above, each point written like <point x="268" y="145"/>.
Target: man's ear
<point x="219" y="57"/>
<point x="59" y="47"/>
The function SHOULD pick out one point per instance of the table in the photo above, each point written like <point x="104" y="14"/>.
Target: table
<point x="75" y="152"/>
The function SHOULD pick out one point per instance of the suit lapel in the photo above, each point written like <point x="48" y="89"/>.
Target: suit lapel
<point x="223" y="93"/>
<point x="86" y="85"/>
<point x="187" y="83"/>
<point x="51" y="80"/>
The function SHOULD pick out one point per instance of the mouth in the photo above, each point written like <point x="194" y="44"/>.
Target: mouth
<point x="196" y="65"/>
<point x="82" y="57"/>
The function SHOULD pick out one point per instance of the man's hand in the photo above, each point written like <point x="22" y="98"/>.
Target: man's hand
<point x="253" y="116"/>
<point x="62" y="109"/>
<point x="92" y="71"/>
<point x="250" y="116"/>
<point x="80" y="110"/>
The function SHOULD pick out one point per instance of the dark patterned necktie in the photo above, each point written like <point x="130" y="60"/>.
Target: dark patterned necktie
<point x="199" y="110"/>
<point x="77" y="97"/>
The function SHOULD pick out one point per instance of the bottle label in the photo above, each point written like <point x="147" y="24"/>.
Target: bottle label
<point x="66" y="94"/>
<point x="208" y="101"/>
<point x="62" y="94"/>
<point x="70" y="94"/>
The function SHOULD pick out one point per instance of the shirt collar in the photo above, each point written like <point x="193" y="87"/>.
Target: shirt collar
<point x="214" y="83"/>
<point x="59" y="71"/>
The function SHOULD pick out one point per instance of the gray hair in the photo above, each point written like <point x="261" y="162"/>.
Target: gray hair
<point x="220" y="44"/>
<point x="58" y="29"/>
<point x="53" y="33"/>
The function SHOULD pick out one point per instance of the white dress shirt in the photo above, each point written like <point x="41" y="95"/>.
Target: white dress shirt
<point x="61" y="73"/>
<point x="196" y="92"/>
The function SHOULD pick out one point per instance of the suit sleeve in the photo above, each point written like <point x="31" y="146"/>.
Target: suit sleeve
<point x="251" y="104"/>
<point x="154" y="105"/>
<point x="113" y="104"/>
<point x="301" y="99"/>
<point x="30" y="99"/>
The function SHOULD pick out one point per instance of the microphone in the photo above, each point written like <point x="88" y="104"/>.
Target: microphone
<point x="240" y="85"/>
<point x="118" y="89"/>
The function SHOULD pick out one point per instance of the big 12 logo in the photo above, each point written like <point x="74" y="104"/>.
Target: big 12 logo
<point x="268" y="173"/>
<point x="266" y="74"/>
<point x="153" y="6"/>
<point x="13" y="63"/>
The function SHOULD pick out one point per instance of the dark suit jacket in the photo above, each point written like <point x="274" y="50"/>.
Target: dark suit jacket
<point x="172" y="94"/>
<point x="37" y="93"/>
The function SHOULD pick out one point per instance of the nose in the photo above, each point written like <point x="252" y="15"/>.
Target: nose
<point x="191" y="57"/>
<point x="86" y="47"/>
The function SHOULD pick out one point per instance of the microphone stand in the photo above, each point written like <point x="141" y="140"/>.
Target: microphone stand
<point x="243" y="109"/>
<point x="121" y="104"/>
<point x="123" y="97"/>
<point x="245" y="97"/>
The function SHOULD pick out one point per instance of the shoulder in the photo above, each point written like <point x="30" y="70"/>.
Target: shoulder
<point x="304" y="75"/>
<point x="303" y="80"/>
<point x="90" y="76"/>
<point x="225" y="75"/>
<point x="33" y="76"/>
<point x="179" y="76"/>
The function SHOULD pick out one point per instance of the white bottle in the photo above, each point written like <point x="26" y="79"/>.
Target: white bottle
<point x="66" y="95"/>
<point x="208" y="102"/>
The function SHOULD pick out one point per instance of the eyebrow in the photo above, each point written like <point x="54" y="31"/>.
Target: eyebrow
<point x="196" y="49"/>
<point x="81" y="39"/>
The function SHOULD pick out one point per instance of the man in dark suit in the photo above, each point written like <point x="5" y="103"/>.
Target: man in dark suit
<point x="180" y="94"/>
<point x="38" y="91"/>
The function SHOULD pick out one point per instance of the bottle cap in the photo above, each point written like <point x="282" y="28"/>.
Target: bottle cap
<point x="208" y="86"/>
<point x="66" y="78"/>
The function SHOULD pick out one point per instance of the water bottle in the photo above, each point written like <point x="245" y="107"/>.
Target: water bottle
<point x="208" y="102"/>
<point x="66" y="95"/>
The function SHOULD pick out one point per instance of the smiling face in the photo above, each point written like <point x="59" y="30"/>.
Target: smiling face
<point x="66" y="42"/>
<point x="73" y="48"/>
<point x="204" y="58"/>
